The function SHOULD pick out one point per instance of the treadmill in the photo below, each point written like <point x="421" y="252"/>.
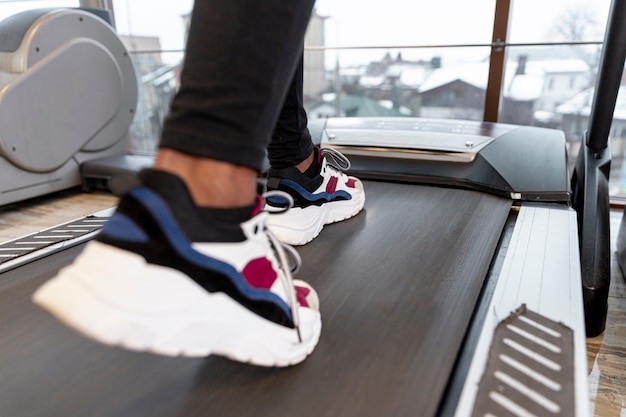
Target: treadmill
<point x="456" y="292"/>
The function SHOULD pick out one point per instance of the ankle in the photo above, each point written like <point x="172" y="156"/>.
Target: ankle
<point x="199" y="224"/>
<point x="212" y="183"/>
<point x="304" y="165"/>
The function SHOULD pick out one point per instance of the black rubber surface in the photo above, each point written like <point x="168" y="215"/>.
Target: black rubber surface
<point x="397" y="284"/>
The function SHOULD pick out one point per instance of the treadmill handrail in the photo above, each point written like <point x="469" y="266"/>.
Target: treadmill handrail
<point x="609" y="78"/>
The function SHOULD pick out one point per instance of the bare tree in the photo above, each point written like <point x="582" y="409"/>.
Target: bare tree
<point x="577" y="23"/>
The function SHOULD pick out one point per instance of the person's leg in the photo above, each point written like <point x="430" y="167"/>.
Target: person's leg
<point x="322" y="193"/>
<point x="186" y="266"/>
<point x="291" y="142"/>
<point x="238" y="54"/>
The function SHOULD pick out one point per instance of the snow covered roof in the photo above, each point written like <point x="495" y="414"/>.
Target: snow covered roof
<point x="556" y="66"/>
<point x="526" y="86"/>
<point x="413" y="76"/>
<point x="358" y="106"/>
<point x="521" y="87"/>
<point x="581" y="104"/>
<point x="372" y="80"/>
<point x="474" y="74"/>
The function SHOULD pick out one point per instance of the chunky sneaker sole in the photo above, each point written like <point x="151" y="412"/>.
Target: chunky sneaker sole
<point x="333" y="198"/>
<point x="299" y="226"/>
<point x="227" y="299"/>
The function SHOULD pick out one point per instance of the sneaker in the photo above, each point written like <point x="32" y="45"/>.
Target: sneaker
<point x="142" y="285"/>
<point x="322" y="195"/>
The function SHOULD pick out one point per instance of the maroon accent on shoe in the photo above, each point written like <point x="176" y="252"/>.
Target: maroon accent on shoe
<point x="351" y="182"/>
<point x="332" y="185"/>
<point x="318" y="153"/>
<point x="259" y="273"/>
<point x="258" y="208"/>
<point x="301" y="294"/>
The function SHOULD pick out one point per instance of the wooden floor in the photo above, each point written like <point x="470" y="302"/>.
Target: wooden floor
<point x="17" y="220"/>
<point x="606" y="353"/>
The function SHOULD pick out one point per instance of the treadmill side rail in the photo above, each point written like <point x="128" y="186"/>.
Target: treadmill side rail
<point x="541" y="271"/>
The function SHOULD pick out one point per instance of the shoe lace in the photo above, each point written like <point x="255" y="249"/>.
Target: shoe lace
<point x="288" y="268"/>
<point x="336" y="159"/>
<point x="280" y="201"/>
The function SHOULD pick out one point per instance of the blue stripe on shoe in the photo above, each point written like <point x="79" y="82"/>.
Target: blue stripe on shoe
<point x="315" y="197"/>
<point x="161" y="214"/>
<point x="121" y="227"/>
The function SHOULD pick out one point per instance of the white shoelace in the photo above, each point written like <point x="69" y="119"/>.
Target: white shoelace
<point x="336" y="159"/>
<point x="289" y="269"/>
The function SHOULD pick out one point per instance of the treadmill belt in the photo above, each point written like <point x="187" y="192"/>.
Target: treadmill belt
<point x="397" y="286"/>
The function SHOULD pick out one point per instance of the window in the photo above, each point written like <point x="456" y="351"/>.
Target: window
<point x="399" y="58"/>
<point x="9" y="8"/>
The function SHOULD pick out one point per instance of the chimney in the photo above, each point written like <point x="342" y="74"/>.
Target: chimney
<point x="521" y="65"/>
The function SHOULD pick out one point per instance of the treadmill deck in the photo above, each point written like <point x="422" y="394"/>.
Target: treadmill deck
<point x="398" y="284"/>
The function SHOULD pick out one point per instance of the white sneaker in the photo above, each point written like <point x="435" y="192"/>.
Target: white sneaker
<point x="143" y="286"/>
<point x="330" y="196"/>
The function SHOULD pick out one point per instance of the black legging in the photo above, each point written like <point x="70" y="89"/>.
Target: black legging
<point x="240" y="61"/>
<point x="291" y="142"/>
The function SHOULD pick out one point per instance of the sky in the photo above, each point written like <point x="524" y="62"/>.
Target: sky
<point x="361" y="23"/>
<point x="418" y="22"/>
<point x="383" y="23"/>
<point x="443" y="21"/>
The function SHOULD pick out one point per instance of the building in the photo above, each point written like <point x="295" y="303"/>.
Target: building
<point x="315" y="81"/>
<point x="157" y="84"/>
<point x="349" y="105"/>
<point x="536" y="81"/>
<point x="146" y="52"/>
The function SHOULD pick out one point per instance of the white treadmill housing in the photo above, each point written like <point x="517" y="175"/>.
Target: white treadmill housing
<point x="68" y="92"/>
